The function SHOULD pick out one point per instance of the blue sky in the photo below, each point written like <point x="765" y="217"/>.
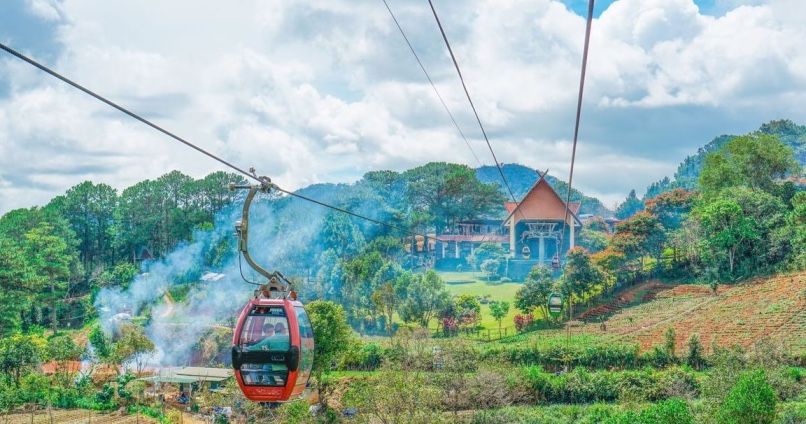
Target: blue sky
<point x="708" y="7"/>
<point x="325" y="90"/>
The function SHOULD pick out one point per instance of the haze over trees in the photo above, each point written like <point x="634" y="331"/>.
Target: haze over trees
<point x="744" y="216"/>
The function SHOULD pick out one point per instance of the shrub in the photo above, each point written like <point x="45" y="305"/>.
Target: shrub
<point x="449" y="325"/>
<point x="678" y="383"/>
<point x="694" y="357"/>
<point x="751" y="400"/>
<point x="581" y="385"/>
<point x="490" y="267"/>
<point x="792" y="413"/>
<point x="638" y="386"/>
<point x="669" y="343"/>
<point x="105" y="395"/>
<point x="554" y="357"/>
<point x="148" y="411"/>
<point x="395" y="397"/>
<point x="364" y="357"/>
<point x="672" y="411"/>
<point x="295" y="412"/>
<point x="658" y="357"/>
<point x="522" y="322"/>
<point x="33" y="388"/>
<point x="580" y="414"/>
<point x="486" y="389"/>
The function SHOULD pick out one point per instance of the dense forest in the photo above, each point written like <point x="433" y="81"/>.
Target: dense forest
<point x="741" y="220"/>
<point x="54" y="257"/>
<point x="64" y="265"/>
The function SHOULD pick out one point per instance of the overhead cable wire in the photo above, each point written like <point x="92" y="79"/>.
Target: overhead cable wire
<point x="470" y="100"/>
<point x="430" y="81"/>
<point x="170" y="134"/>
<point x="476" y="114"/>
<point x="579" y="113"/>
<point x="436" y="91"/>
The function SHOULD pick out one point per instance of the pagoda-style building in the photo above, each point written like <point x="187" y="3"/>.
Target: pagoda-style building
<point x="530" y="232"/>
<point x="534" y="225"/>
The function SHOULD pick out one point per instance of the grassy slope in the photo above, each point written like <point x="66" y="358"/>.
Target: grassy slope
<point x="460" y="283"/>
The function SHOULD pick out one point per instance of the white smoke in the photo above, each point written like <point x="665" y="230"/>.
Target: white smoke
<point x="280" y="231"/>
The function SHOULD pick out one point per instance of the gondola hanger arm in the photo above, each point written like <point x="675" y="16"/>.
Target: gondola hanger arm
<point x="277" y="282"/>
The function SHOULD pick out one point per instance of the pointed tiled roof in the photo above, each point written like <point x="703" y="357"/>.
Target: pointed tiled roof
<point x="541" y="202"/>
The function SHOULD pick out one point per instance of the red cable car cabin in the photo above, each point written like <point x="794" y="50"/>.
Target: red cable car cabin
<point x="272" y="351"/>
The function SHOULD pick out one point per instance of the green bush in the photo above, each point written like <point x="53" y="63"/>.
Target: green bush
<point x="658" y="357"/>
<point x="583" y="386"/>
<point x="295" y="412"/>
<point x="695" y="356"/>
<point x="554" y="414"/>
<point x="679" y="382"/>
<point x="789" y="383"/>
<point x="791" y="413"/>
<point x="751" y="400"/>
<point x="122" y="381"/>
<point x="363" y="357"/>
<point x="145" y="410"/>
<point x="33" y="389"/>
<point x="63" y="397"/>
<point x="555" y="357"/>
<point x="672" y="411"/>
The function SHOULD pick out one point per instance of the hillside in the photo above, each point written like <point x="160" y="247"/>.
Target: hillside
<point x="790" y="133"/>
<point x="741" y="314"/>
<point x="521" y="178"/>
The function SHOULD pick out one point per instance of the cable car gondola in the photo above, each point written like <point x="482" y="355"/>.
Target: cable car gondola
<point x="272" y="350"/>
<point x="555" y="262"/>
<point x="272" y="345"/>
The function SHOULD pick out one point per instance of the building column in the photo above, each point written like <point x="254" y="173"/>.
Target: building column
<point x="541" y="248"/>
<point x="571" y="238"/>
<point x="512" y="237"/>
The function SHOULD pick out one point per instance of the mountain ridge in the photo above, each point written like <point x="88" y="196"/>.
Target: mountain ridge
<point x="688" y="171"/>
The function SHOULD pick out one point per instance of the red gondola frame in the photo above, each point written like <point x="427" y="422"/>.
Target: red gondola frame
<point x="298" y="358"/>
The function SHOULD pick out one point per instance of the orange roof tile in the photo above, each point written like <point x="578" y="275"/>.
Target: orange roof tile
<point x="542" y="203"/>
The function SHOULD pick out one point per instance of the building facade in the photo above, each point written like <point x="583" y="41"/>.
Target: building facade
<point x="532" y="232"/>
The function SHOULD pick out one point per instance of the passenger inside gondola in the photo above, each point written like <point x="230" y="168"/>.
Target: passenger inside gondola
<point x="266" y="329"/>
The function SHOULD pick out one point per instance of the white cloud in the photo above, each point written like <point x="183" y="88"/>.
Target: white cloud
<point x="45" y="9"/>
<point x="326" y="90"/>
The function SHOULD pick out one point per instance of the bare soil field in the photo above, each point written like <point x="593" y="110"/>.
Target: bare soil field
<point x="740" y="314"/>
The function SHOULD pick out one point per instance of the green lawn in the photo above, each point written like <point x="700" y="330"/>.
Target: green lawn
<point x="459" y="283"/>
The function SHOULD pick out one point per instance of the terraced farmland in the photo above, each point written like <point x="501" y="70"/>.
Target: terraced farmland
<point x="740" y="314"/>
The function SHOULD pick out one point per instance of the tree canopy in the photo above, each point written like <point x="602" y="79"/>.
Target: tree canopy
<point x="756" y="161"/>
